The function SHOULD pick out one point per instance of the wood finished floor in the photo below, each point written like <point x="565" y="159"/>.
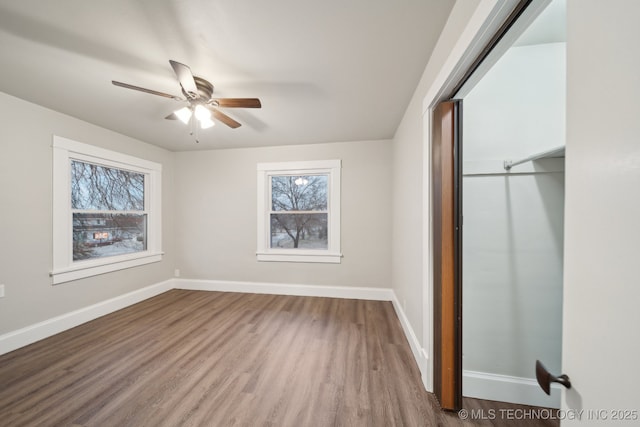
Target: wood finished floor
<point x="193" y="358"/>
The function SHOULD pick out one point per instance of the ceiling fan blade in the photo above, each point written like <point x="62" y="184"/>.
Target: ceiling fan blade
<point x="185" y="77"/>
<point x="238" y="102"/>
<point x="225" y="119"/>
<point x="145" y="90"/>
<point x="172" y="116"/>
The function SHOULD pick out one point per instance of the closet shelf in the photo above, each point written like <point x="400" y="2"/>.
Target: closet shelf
<point x="553" y="153"/>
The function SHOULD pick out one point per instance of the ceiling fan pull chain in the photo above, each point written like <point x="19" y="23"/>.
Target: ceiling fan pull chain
<point x="194" y="128"/>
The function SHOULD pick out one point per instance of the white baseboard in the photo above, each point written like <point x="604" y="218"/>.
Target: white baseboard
<point x="30" y="334"/>
<point x="503" y="388"/>
<point x="418" y="353"/>
<point x="375" y="294"/>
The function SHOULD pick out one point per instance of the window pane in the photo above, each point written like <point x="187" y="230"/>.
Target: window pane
<point x="102" y="188"/>
<point x="299" y="193"/>
<point x="304" y="231"/>
<point x="103" y="235"/>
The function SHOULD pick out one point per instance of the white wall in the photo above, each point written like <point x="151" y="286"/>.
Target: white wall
<point x="409" y="205"/>
<point x="26" y="215"/>
<point x="513" y="223"/>
<point x="601" y="348"/>
<point x="512" y="291"/>
<point x="216" y="213"/>
<point x="407" y="239"/>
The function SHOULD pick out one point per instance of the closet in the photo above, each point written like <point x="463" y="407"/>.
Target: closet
<point x="513" y="204"/>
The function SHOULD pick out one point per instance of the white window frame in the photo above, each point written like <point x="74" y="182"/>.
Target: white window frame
<point x="332" y="254"/>
<point x="65" y="269"/>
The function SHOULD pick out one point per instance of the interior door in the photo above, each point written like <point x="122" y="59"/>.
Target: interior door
<point x="447" y="255"/>
<point x="602" y="236"/>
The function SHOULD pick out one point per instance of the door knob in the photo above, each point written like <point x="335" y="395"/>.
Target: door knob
<point x="545" y="378"/>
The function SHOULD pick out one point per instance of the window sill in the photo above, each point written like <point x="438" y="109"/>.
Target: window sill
<point x="324" y="257"/>
<point x="85" y="269"/>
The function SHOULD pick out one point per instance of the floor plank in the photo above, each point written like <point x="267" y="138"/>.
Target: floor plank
<point x="193" y="358"/>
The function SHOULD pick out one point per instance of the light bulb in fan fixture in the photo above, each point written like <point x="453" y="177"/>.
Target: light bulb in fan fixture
<point x="206" y="123"/>
<point x="202" y="113"/>
<point x="184" y="114"/>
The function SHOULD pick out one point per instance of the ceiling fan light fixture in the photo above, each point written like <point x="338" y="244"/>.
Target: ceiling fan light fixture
<point x="206" y="123"/>
<point x="202" y="113"/>
<point x="184" y="114"/>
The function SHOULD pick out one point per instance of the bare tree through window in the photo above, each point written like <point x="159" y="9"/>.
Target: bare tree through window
<point x="299" y="211"/>
<point x="108" y="211"/>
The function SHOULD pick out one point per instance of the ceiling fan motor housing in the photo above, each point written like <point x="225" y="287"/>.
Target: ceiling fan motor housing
<point x="205" y="89"/>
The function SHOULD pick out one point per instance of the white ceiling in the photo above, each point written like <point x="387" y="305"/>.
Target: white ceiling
<point x="333" y="70"/>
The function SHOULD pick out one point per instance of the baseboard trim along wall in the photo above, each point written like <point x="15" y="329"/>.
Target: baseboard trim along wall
<point x="504" y="388"/>
<point x="375" y="294"/>
<point x="30" y="334"/>
<point x="418" y="352"/>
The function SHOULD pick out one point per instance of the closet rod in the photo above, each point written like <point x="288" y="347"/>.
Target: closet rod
<point x="555" y="152"/>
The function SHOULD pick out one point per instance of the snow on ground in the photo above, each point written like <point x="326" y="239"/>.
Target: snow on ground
<point x="118" y="248"/>
<point x="282" y="240"/>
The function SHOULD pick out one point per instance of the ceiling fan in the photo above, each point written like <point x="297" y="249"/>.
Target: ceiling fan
<point x="198" y="94"/>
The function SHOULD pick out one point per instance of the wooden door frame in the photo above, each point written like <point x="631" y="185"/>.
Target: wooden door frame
<point x="447" y="253"/>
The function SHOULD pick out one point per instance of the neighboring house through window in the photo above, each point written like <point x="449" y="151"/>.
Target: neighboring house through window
<point x="106" y="211"/>
<point x="299" y="211"/>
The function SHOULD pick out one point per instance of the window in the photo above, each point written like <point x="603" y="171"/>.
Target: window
<point x="299" y="211"/>
<point x="106" y="211"/>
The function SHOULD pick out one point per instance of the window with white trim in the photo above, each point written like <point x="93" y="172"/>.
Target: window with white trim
<point x="106" y="211"/>
<point x="299" y="211"/>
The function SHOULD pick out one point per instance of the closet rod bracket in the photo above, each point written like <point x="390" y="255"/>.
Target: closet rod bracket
<point x="552" y="153"/>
